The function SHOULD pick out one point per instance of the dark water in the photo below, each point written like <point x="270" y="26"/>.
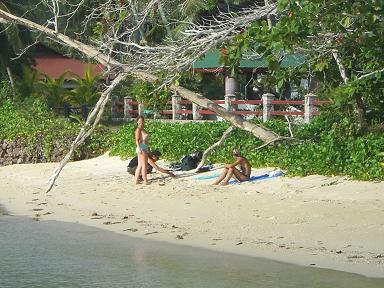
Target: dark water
<point x="55" y="254"/>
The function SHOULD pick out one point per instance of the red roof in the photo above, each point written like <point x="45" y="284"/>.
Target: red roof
<point x="55" y="65"/>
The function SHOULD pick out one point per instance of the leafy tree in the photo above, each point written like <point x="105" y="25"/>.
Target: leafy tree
<point x="342" y="41"/>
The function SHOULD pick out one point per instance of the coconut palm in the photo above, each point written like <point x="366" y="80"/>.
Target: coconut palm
<point x="53" y="90"/>
<point x="85" y="91"/>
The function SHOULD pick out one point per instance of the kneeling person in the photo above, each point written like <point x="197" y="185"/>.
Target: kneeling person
<point x="152" y="158"/>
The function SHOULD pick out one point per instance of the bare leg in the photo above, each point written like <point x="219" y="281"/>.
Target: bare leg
<point x="138" y="173"/>
<point x="221" y="177"/>
<point x="144" y="165"/>
<point x="229" y="175"/>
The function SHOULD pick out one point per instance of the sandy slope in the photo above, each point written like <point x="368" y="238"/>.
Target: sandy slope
<point x="324" y="222"/>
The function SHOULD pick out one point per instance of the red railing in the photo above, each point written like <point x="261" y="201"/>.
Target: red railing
<point x="119" y="107"/>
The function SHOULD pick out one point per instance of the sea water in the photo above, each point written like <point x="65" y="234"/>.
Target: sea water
<point x="56" y="254"/>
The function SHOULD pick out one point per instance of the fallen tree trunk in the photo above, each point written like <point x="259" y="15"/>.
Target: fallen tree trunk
<point x="257" y="130"/>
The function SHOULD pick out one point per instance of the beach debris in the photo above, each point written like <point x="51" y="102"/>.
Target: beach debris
<point x="94" y="214"/>
<point x="355" y="257"/>
<point x="125" y="217"/>
<point x="149" y="233"/>
<point x="379" y="256"/>
<point x="339" y="252"/>
<point x="48" y="213"/>
<point x="111" y="223"/>
<point x="131" y="229"/>
<point x="335" y="182"/>
<point x="180" y="237"/>
<point x="239" y="243"/>
<point x="37" y="209"/>
<point x="312" y="264"/>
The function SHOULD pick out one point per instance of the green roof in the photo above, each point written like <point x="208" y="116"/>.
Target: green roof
<point x="211" y="61"/>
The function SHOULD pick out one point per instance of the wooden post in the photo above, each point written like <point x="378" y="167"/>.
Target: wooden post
<point x="196" y="112"/>
<point x="230" y="93"/>
<point x="175" y="107"/>
<point x="140" y="109"/>
<point x="127" y="107"/>
<point x="267" y="106"/>
<point x="309" y="108"/>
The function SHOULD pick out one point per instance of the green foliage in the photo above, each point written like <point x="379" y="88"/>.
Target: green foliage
<point x="28" y="83"/>
<point x="153" y="96"/>
<point x="318" y="28"/>
<point x="53" y="91"/>
<point x="6" y="92"/>
<point x="330" y="147"/>
<point x="32" y="120"/>
<point x="186" y="138"/>
<point x="85" y="91"/>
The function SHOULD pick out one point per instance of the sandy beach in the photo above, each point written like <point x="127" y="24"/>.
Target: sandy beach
<point x="327" y="222"/>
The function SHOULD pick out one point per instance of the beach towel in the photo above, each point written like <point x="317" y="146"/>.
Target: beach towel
<point x="205" y="177"/>
<point x="270" y="175"/>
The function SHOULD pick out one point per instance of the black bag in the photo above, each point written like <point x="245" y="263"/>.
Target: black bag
<point x="187" y="163"/>
<point x="190" y="162"/>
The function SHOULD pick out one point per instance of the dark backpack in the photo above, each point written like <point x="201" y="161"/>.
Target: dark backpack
<point x="190" y="162"/>
<point x="187" y="163"/>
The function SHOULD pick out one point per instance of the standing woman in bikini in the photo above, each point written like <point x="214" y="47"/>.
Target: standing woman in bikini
<point x="142" y="149"/>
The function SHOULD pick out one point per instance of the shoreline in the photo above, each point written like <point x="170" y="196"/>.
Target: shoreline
<point x="315" y="221"/>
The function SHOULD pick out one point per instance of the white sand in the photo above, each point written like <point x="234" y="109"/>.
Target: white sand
<point x="319" y="221"/>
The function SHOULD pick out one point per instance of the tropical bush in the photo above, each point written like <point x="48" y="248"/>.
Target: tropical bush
<point x="31" y="119"/>
<point x="330" y="146"/>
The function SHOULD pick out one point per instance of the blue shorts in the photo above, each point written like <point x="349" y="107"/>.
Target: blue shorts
<point x="144" y="147"/>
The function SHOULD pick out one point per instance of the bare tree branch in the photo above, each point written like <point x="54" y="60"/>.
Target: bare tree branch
<point x="142" y="60"/>
<point x="90" y="124"/>
<point x="214" y="146"/>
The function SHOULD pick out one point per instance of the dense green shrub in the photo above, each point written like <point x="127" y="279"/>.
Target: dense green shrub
<point x="6" y="92"/>
<point x="330" y="146"/>
<point x="31" y="119"/>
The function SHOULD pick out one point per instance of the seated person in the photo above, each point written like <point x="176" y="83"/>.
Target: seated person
<point x="230" y="170"/>
<point x="152" y="158"/>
